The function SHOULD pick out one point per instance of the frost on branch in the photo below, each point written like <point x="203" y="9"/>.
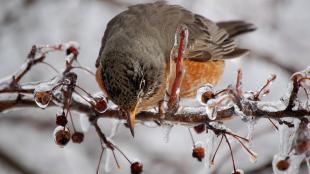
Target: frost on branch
<point x="288" y="114"/>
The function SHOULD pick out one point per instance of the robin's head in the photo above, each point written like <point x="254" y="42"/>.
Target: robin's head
<point x="129" y="80"/>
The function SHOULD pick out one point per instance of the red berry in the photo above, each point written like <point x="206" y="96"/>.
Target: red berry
<point x="283" y="165"/>
<point x="77" y="137"/>
<point x="101" y="105"/>
<point x="199" y="153"/>
<point x="62" y="136"/>
<point x="136" y="168"/>
<point x="200" y="128"/>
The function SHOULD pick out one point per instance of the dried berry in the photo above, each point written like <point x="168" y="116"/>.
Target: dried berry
<point x="205" y="97"/>
<point x="136" y="168"/>
<point x="61" y="120"/>
<point x="101" y="105"/>
<point x="62" y="136"/>
<point x="200" y="128"/>
<point x="199" y="153"/>
<point x="283" y="165"/>
<point x="77" y="137"/>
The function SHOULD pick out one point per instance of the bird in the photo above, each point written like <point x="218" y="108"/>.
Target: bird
<point x="133" y="64"/>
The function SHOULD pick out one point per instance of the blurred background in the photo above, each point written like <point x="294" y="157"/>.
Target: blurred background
<point x="279" y="46"/>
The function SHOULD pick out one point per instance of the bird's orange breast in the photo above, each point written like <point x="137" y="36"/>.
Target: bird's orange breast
<point x="198" y="74"/>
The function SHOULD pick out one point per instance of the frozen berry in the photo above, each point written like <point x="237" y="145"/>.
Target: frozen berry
<point x="77" y="137"/>
<point x="302" y="146"/>
<point x="101" y="105"/>
<point x="199" y="153"/>
<point x="42" y="98"/>
<point x="200" y="128"/>
<point x="61" y="120"/>
<point x="207" y="96"/>
<point x="61" y="136"/>
<point x="283" y="165"/>
<point x="136" y="168"/>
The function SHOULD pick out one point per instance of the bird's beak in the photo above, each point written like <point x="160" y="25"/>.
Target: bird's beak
<point x="131" y="119"/>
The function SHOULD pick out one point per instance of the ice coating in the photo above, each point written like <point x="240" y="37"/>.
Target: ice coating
<point x="43" y="92"/>
<point x="201" y="91"/>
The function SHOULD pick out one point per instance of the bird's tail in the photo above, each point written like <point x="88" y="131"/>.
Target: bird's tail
<point x="235" y="28"/>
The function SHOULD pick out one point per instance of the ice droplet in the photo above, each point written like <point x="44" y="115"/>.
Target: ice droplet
<point x="84" y="122"/>
<point x="42" y="98"/>
<point x="43" y="92"/>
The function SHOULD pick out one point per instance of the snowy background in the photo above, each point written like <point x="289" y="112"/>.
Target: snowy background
<point x="26" y="135"/>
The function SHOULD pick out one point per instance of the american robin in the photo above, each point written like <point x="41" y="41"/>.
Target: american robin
<point x="134" y="58"/>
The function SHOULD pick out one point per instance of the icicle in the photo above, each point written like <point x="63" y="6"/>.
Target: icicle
<point x="107" y="160"/>
<point x="84" y="122"/>
<point x="251" y="125"/>
<point x="210" y="142"/>
<point x="167" y="129"/>
<point x="114" y="128"/>
<point x="308" y="164"/>
<point x="286" y="139"/>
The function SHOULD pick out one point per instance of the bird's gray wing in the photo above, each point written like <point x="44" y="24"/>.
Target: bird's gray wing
<point x="207" y="40"/>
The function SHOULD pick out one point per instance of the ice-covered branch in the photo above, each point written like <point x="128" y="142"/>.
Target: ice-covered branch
<point x="216" y="106"/>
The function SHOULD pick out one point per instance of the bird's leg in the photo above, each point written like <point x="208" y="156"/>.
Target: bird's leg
<point x="181" y="44"/>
